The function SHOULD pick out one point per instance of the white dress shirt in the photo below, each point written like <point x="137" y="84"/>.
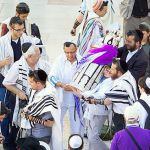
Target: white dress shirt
<point x="130" y="54"/>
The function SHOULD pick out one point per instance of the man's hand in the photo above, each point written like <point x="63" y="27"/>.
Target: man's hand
<point x="1" y="139"/>
<point x="107" y="102"/>
<point x="77" y="92"/>
<point x="21" y="95"/>
<point x="68" y="87"/>
<point x="73" y="32"/>
<point x="8" y="60"/>
<point x="48" y="123"/>
<point x="23" y="115"/>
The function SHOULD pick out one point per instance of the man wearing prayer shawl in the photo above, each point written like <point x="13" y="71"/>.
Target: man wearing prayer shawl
<point x="10" y="52"/>
<point x="16" y="78"/>
<point x="123" y="92"/>
<point x="41" y="117"/>
<point x="86" y="13"/>
<point x="61" y="75"/>
<point x="93" y="31"/>
<point x="89" y="74"/>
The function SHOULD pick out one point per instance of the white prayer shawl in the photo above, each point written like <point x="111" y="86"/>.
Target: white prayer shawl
<point x="123" y="92"/>
<point x="6" y="49"/>
<point x="98" y="93"/>
<point x="57" y="72"/>
<point x="110" y="18"/>
<point x="39" y="98"/>
<point x="23" y="84"/>
<point x="27" y="25"/>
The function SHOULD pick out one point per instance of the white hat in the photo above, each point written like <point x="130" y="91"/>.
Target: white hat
<point x="45" y="145"/>
<point x="131" y="113"/>
<point x="75" y="141"/>
<point x="148" y="82"/>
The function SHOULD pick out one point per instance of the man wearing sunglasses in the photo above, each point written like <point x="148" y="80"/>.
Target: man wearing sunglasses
<point x="16" y="79"/>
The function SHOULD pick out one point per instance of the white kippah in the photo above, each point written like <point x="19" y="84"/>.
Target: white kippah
<point x="131" y="113"/>
<point x="45" y="145"/>
<point x="75" y="141"/>
<point x="148" y="82"/>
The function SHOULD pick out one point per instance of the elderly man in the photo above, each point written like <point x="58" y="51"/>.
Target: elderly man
<point x="10" y="50"/>
<point x="60" y="76"/>
<point x="133" y="137"/>
<point x="16" y="78"/>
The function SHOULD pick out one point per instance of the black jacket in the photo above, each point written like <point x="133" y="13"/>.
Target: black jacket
<point x="137" y="64"/>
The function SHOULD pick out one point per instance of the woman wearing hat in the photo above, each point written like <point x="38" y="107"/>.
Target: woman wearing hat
<point x="133" y="137"/>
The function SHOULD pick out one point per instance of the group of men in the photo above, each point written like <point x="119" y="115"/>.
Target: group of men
<point x="39" y="95"/>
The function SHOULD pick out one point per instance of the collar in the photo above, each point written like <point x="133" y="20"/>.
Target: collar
<point x="144" y="96"/>
<point x="133" y="125"/>
<point x="133" y="52"/>
<point x="77" y="58"/>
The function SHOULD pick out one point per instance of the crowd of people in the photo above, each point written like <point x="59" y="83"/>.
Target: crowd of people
<point x="94" y="80"/>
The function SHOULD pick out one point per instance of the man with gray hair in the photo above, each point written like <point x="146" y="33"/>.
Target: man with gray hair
<point x="16" y="78"/>
<point x="133" y="137"/>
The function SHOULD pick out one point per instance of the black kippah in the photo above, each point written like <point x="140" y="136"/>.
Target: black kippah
<point x="26" y="46"/>
<point x="42" y="75"/>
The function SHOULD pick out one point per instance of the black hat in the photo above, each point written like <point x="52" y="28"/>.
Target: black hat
<point x="29" y="143"/>
<point x="26" y="46"/>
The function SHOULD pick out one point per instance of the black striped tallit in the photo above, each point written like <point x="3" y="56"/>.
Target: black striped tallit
<point x="37" y="108"/>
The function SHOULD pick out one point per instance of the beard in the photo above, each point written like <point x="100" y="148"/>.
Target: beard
<point x="131" y="48"/>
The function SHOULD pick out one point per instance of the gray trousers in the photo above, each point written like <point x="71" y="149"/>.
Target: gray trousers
<point x="133" y="23"/>
<point x="94" y="128"/>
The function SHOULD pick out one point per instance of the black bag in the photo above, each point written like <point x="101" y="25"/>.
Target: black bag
<point x="35" y="31"/>
<point x="147" y="108"/>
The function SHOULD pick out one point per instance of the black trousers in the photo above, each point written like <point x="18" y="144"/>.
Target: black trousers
<point x="9" y="131"/>
<point x="119" y="122"/>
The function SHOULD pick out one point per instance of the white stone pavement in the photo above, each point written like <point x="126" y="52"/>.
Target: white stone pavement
<point x="55" y="19"/>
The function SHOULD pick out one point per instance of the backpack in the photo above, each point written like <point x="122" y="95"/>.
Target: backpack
<point x="147" y="108"/>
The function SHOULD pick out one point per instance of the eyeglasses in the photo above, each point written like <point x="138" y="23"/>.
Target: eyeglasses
<point x="19" y="30"/>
